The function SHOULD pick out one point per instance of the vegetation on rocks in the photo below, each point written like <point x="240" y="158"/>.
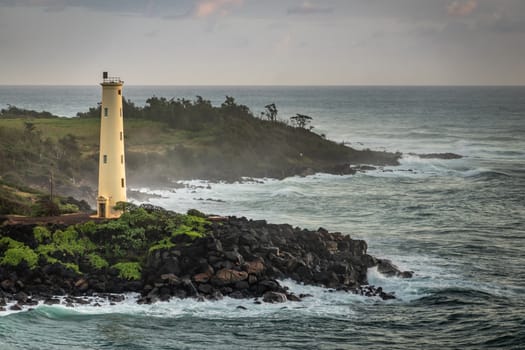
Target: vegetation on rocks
<point x="162" y="254"/>
<point x="123" y="244"/>
<point x="128" y="270"/>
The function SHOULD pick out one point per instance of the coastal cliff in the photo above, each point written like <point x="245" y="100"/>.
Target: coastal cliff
<point x="161" y="255"/>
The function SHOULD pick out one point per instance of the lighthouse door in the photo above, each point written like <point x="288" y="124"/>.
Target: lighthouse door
<point x="102" y="210"/>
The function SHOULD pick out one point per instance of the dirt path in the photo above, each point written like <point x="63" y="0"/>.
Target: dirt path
<point x="69" y="219"/>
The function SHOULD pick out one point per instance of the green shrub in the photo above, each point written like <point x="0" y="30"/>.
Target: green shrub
<point x="165" y="243"/>
<point x="97" y="261"/>
<point x="8" y="242"/>
<point x="193" y="226"/>
<point x="195" y="212"/>
<point x="71" y="266"/>
<point x="14" y="256"/>
<point x="138" y="217"/>
<point x="87" y="228"/>
<point x="68" y="208"/>
<point x="129" y="270"/>
<point x="67" y="241"/>
<point x="188" y="231"/>
<point x="41" y="233"/>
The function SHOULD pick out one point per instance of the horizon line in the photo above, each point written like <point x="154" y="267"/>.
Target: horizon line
<point x="276" y="85"/>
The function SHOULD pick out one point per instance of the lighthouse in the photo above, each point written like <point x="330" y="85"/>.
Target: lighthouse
<point x="111" y="168"/>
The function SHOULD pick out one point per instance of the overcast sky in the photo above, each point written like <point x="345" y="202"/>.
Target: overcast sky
<point x="263" y="42"/>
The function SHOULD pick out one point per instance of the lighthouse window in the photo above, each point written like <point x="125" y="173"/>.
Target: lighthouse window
<point x="105" y="158"/>
<point x="122" y="182"/>
<point x="121" y="136"/>
<point x="122" y="159"/>
<point x="119" y="92"/>
<point x="106" y="111"/>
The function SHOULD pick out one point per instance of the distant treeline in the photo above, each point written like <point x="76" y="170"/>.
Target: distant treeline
<point x="180" y="113"/>
<point x="15" y="112"/>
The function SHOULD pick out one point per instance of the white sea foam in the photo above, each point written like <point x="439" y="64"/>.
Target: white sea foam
<point x="323" y="302"/>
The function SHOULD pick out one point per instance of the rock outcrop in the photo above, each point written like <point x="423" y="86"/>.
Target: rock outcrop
<point x="238" y="258"/>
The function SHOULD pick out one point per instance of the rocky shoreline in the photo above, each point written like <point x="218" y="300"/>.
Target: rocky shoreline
<point x="237" y="258"/>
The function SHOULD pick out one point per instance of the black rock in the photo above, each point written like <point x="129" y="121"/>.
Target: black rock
<point x="274" y="297"/>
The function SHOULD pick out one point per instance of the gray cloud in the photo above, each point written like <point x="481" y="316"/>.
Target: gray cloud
<point x="307" y="8"/>
<point x="149" y="8"/>
<point x="265" y="42"/>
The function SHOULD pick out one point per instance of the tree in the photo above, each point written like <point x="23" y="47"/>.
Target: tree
<point x="271" y="112"/>
<point x="301" y="120"/>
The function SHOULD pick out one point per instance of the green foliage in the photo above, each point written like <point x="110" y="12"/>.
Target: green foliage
<point x="69" y="265"/>
<point x="97" y="261"/>
<point x="123" y="243"/>
<point x="42" y="234"/>
<point x="66" y="241"/>
<point x="68" y="208"/>
<point x="15" y="112"/>
<point x="16" y="252"/>
<point x="129" y="239"/>
<point x="16" y="199"/>
<point x="188" y="231"/>
<point x="125" y="206"/>
<point x="195" y="212"/>
<point x="129" y="270"/>
<point x="8" y="242"/>
<point x="46" y="207"/>
<point x="138" y="217"/>
<point x="72" y="266"/>
<point x="87" y="228"/>
<point x="165" y="243"/>
<point x="195" y="223"/>
<point x="15" y="255"/>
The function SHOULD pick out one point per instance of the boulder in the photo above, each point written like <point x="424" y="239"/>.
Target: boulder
<point x="267" y="285"/>
<point x="205" y="288"/>
<point x="8" y="286"/>
<point x="387" y="268"/>
<point x="82" y="285"/>
<point x="229" y="276"/>
<point x="171" y="279"/>
<point x="21" y="297"/>
<point x="240" y="285"/>
<point x="274" y="297"/>
<point x="234" y="257"/>
<point x="255" y="267"/>
<point x="203" y="277"/>
<point x="16" y="307"/>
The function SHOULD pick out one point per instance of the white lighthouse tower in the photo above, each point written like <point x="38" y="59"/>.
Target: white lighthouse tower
<point x="111" y="169"/>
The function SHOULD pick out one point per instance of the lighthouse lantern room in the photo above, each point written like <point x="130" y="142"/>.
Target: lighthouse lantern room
<point x="112" y="169"/>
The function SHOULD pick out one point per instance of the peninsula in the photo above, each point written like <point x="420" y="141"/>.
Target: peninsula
<point x="169" y="140"/>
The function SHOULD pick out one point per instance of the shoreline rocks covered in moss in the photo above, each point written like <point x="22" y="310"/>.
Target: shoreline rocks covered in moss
<point x="164" y="255"/>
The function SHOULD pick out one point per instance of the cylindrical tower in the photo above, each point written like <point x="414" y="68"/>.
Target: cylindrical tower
<point x="111" y="169"/>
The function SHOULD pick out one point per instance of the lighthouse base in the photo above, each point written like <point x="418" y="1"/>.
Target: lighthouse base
<point x="103" y="210"/>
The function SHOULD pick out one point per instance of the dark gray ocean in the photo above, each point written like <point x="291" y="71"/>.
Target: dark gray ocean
<point x="458" y="224"/>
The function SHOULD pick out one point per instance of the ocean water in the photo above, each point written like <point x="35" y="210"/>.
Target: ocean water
<point x="458" y="224"/>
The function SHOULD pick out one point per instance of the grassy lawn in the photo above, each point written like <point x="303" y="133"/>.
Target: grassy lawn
<point x="140" y="135"/>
